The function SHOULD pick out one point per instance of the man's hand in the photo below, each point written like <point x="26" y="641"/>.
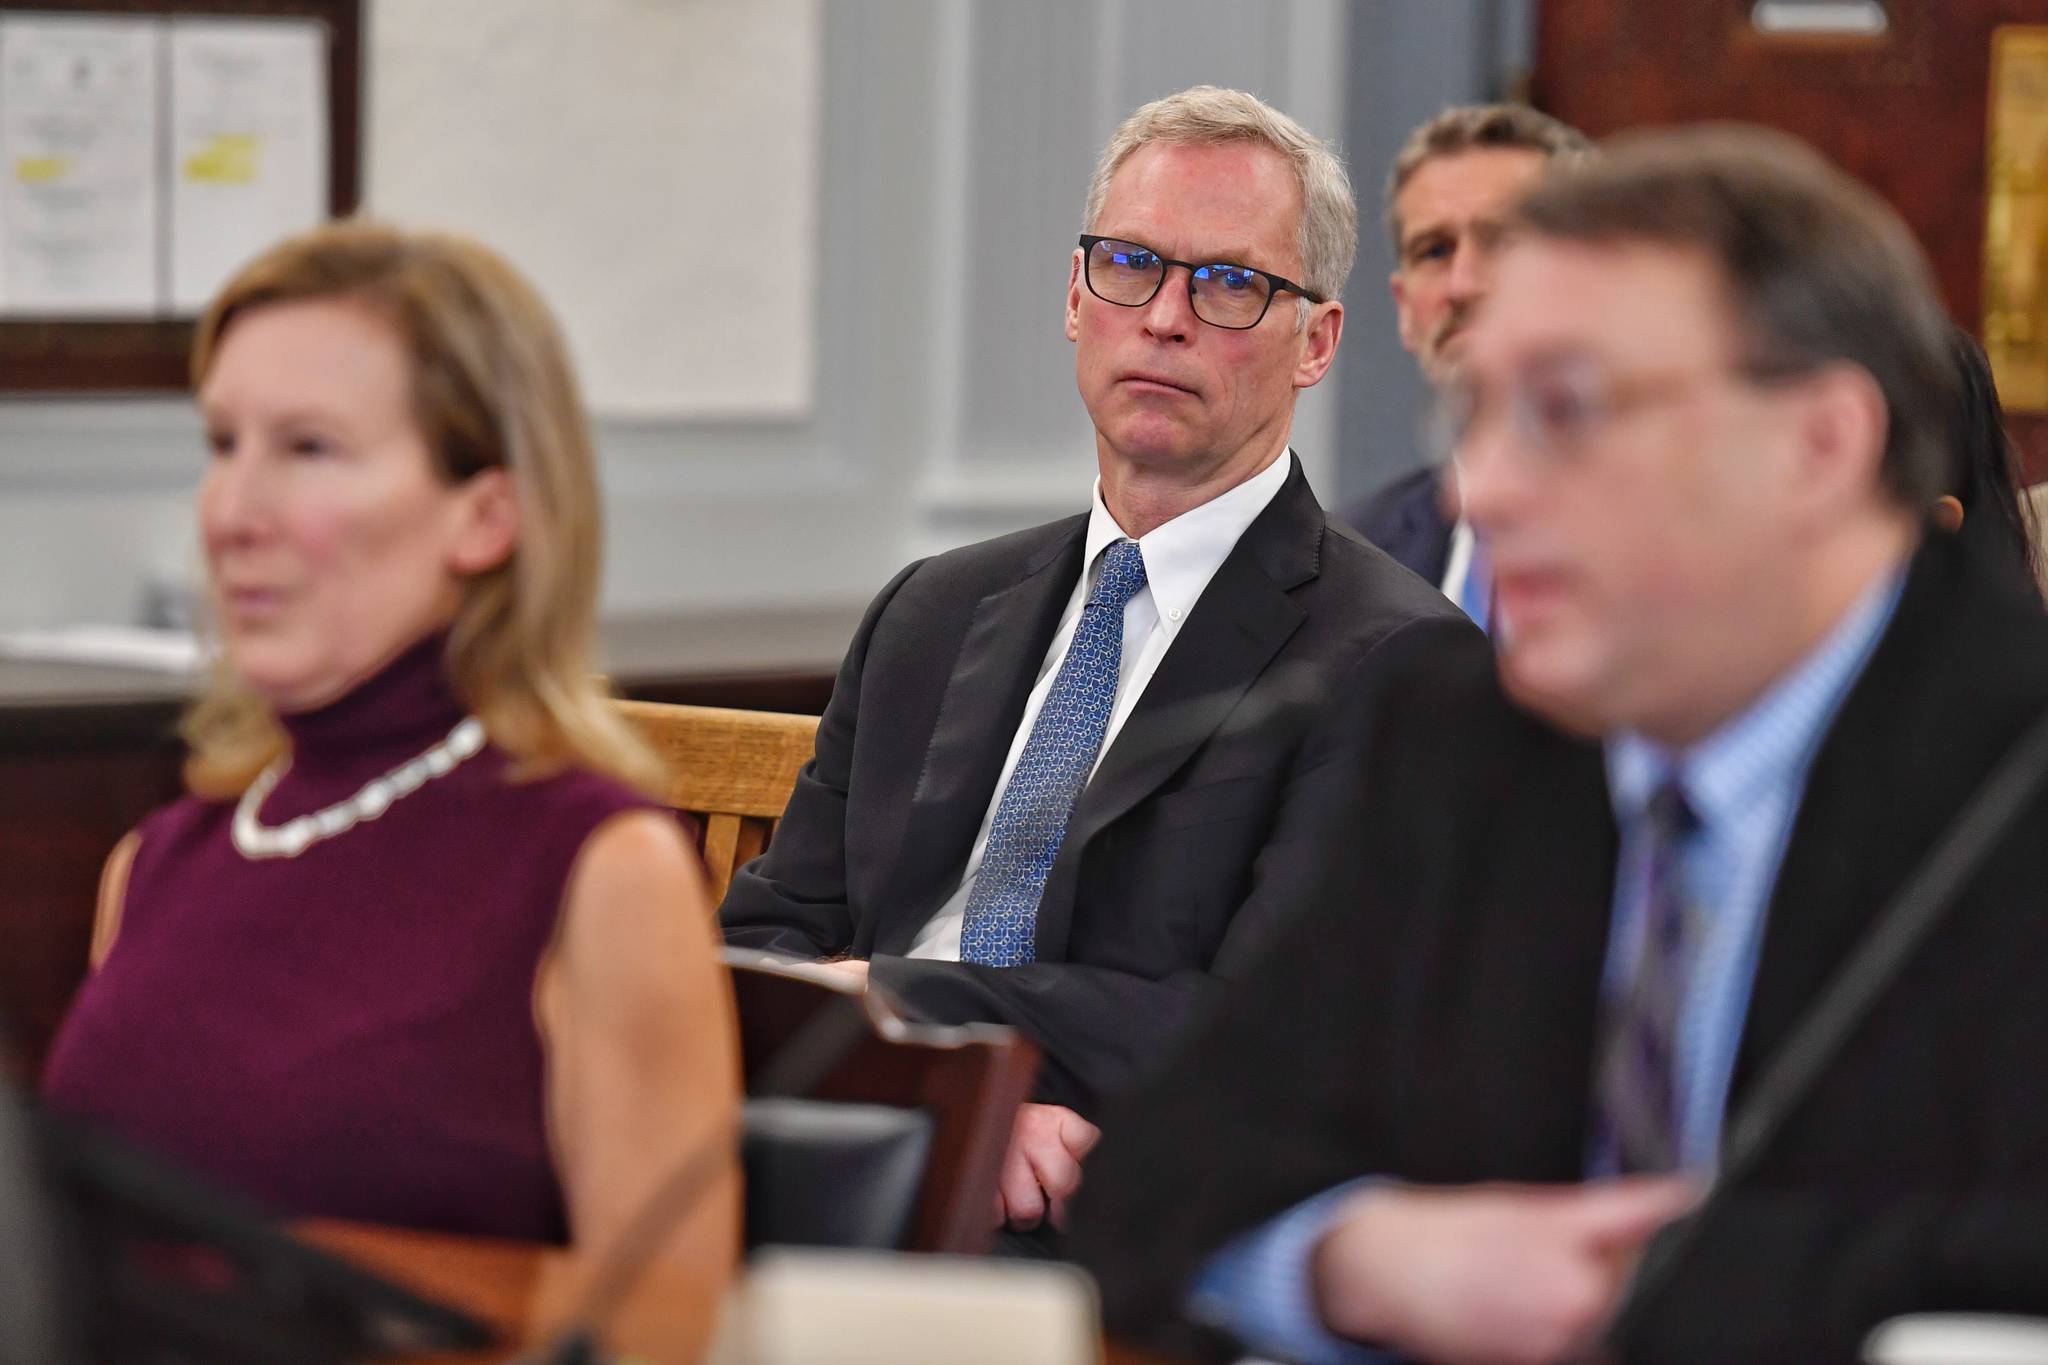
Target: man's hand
<point x="1491" y="1274"/>
<point x="1042" y="1169"/>
<point x="847" y="969"/>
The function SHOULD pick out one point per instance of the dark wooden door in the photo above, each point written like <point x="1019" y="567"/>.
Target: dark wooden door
<point x="1904" y="110"/>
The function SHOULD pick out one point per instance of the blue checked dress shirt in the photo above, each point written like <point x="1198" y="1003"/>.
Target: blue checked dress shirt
<point x="999" y="926"/>
<point x="1744" y="783"/>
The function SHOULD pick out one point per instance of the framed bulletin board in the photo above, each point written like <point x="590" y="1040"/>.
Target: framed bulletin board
<point x="145" y="143"/>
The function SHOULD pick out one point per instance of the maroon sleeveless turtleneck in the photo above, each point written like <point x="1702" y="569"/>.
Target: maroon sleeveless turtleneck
<point x="348" y="1033"/>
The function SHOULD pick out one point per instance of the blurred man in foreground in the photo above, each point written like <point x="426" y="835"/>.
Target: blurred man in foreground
<point x="1699" y="422"/>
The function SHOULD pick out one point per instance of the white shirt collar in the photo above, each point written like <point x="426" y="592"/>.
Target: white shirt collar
<point x="1182" y="555"/>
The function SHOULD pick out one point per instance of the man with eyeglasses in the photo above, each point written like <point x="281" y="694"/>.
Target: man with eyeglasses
<point x="1449" y="193"/>
<point x="1679" y="1012"/>
<point x="1064" y="774"/>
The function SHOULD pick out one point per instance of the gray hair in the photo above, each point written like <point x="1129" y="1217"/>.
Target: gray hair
<point x="1208" y="114"/>
<point x="1471" y="127"/>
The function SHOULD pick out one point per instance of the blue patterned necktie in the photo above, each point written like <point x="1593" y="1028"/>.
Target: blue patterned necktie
<point x="999" y="926"/>
<point x="1638" y="1086"/>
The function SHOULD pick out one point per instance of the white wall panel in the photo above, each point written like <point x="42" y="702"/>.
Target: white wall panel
<point x="652" y="166"/>
<point x="941" y="402"/>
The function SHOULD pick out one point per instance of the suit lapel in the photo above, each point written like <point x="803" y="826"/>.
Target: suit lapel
<point x="1949" y="687"/>
<point x="999" y="658"/>
<point x="1242" y="619"/>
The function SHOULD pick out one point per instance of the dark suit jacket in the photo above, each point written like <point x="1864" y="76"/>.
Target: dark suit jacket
<point x="1434" y="1018"/>
<point x="1189" y="829"/>
<point x="1406" y="519"/>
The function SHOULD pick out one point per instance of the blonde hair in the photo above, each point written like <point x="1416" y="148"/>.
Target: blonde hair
<point x="1210" y="115"/>
<point x="492" y="388"/>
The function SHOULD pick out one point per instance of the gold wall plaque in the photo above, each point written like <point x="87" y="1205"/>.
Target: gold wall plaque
<point x="2016" y="217"/>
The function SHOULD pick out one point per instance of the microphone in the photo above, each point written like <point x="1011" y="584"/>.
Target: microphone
<point x="1884" y="952"/>
<point x="819" y="1044"/>
<point x="35" y="1302"/>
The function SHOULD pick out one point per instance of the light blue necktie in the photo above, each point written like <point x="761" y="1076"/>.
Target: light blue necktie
<point x="999" y="926"/>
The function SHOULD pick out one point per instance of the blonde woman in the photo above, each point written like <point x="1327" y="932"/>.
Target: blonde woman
<point x="414" y="950"/>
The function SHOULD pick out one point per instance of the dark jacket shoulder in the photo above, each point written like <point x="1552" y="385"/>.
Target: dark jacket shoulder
<point x="1406" y="519"/>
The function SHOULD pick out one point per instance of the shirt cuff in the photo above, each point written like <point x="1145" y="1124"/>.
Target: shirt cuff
<point x="1260" y="1289"/>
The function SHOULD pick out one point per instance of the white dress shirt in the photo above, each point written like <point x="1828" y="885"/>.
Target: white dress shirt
<point x="1458" y="564"/>
<point x="1180" y="559"/>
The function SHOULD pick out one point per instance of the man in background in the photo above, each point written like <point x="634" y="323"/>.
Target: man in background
<point x="1699" y="421"/>
<point x="1064" y="776"/>
<point x="1447" y="196"/>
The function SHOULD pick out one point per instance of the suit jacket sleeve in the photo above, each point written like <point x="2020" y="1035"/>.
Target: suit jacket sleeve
<point x="1272" y="1086"/>
<point x="1814" y="1275"/>
<point x="793" y="898"/>
<point x="1101" y="1028"/>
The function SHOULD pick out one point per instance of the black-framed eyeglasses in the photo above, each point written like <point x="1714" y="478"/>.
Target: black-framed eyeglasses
<point x="1222" y="294"/>
<point x="1559" y="408"/>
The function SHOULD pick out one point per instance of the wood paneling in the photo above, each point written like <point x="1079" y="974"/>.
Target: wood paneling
<point x="66" y="798"/>
<point x="1905" y="111"/>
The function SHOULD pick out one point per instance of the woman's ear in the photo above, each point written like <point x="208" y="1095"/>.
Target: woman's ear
<point x="488" y="526"/>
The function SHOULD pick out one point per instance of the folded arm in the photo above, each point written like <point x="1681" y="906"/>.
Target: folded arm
<point x="1102" y="1028"/>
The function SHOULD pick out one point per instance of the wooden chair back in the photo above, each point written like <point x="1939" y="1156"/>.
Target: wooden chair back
<point x="970" y="1078"/>
<point x="732" y="771"/>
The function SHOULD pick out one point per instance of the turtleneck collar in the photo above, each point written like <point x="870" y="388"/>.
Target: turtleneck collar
<point x="405" y="707"/>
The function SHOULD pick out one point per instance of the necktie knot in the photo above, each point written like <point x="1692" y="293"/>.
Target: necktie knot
<point x="1123" y="573"/>
<point x="1669" y="813"/>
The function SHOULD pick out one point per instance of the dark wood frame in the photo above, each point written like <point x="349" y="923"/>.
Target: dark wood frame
<point x="124" y="355"/>
<point x="971" y="1078"/>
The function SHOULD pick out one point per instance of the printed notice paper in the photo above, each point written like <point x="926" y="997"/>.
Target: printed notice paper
<point x="78" y="175"/>
<point x="248" y="144"/>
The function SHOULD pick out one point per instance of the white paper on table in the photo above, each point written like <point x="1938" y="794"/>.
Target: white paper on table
<point x="144" y="647"/>
<point x="248" y="144"/>
<point x="79" y="101"/>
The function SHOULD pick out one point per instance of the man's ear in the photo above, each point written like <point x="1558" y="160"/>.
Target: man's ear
<point x="1843" y="428"/>
<point x="1074" y="288"/>
<point x="488" y="523"/>
<point x="1325" y="330"/>
<point x="1402" y="324"/>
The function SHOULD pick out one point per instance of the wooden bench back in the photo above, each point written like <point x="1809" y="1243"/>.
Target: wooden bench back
<point x="731" y="770"/>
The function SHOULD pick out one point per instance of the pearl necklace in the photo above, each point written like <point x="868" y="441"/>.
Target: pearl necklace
<point x="254" y="839"/>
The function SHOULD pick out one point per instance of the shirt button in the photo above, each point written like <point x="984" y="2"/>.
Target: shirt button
<point x="1173" y="613"/>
